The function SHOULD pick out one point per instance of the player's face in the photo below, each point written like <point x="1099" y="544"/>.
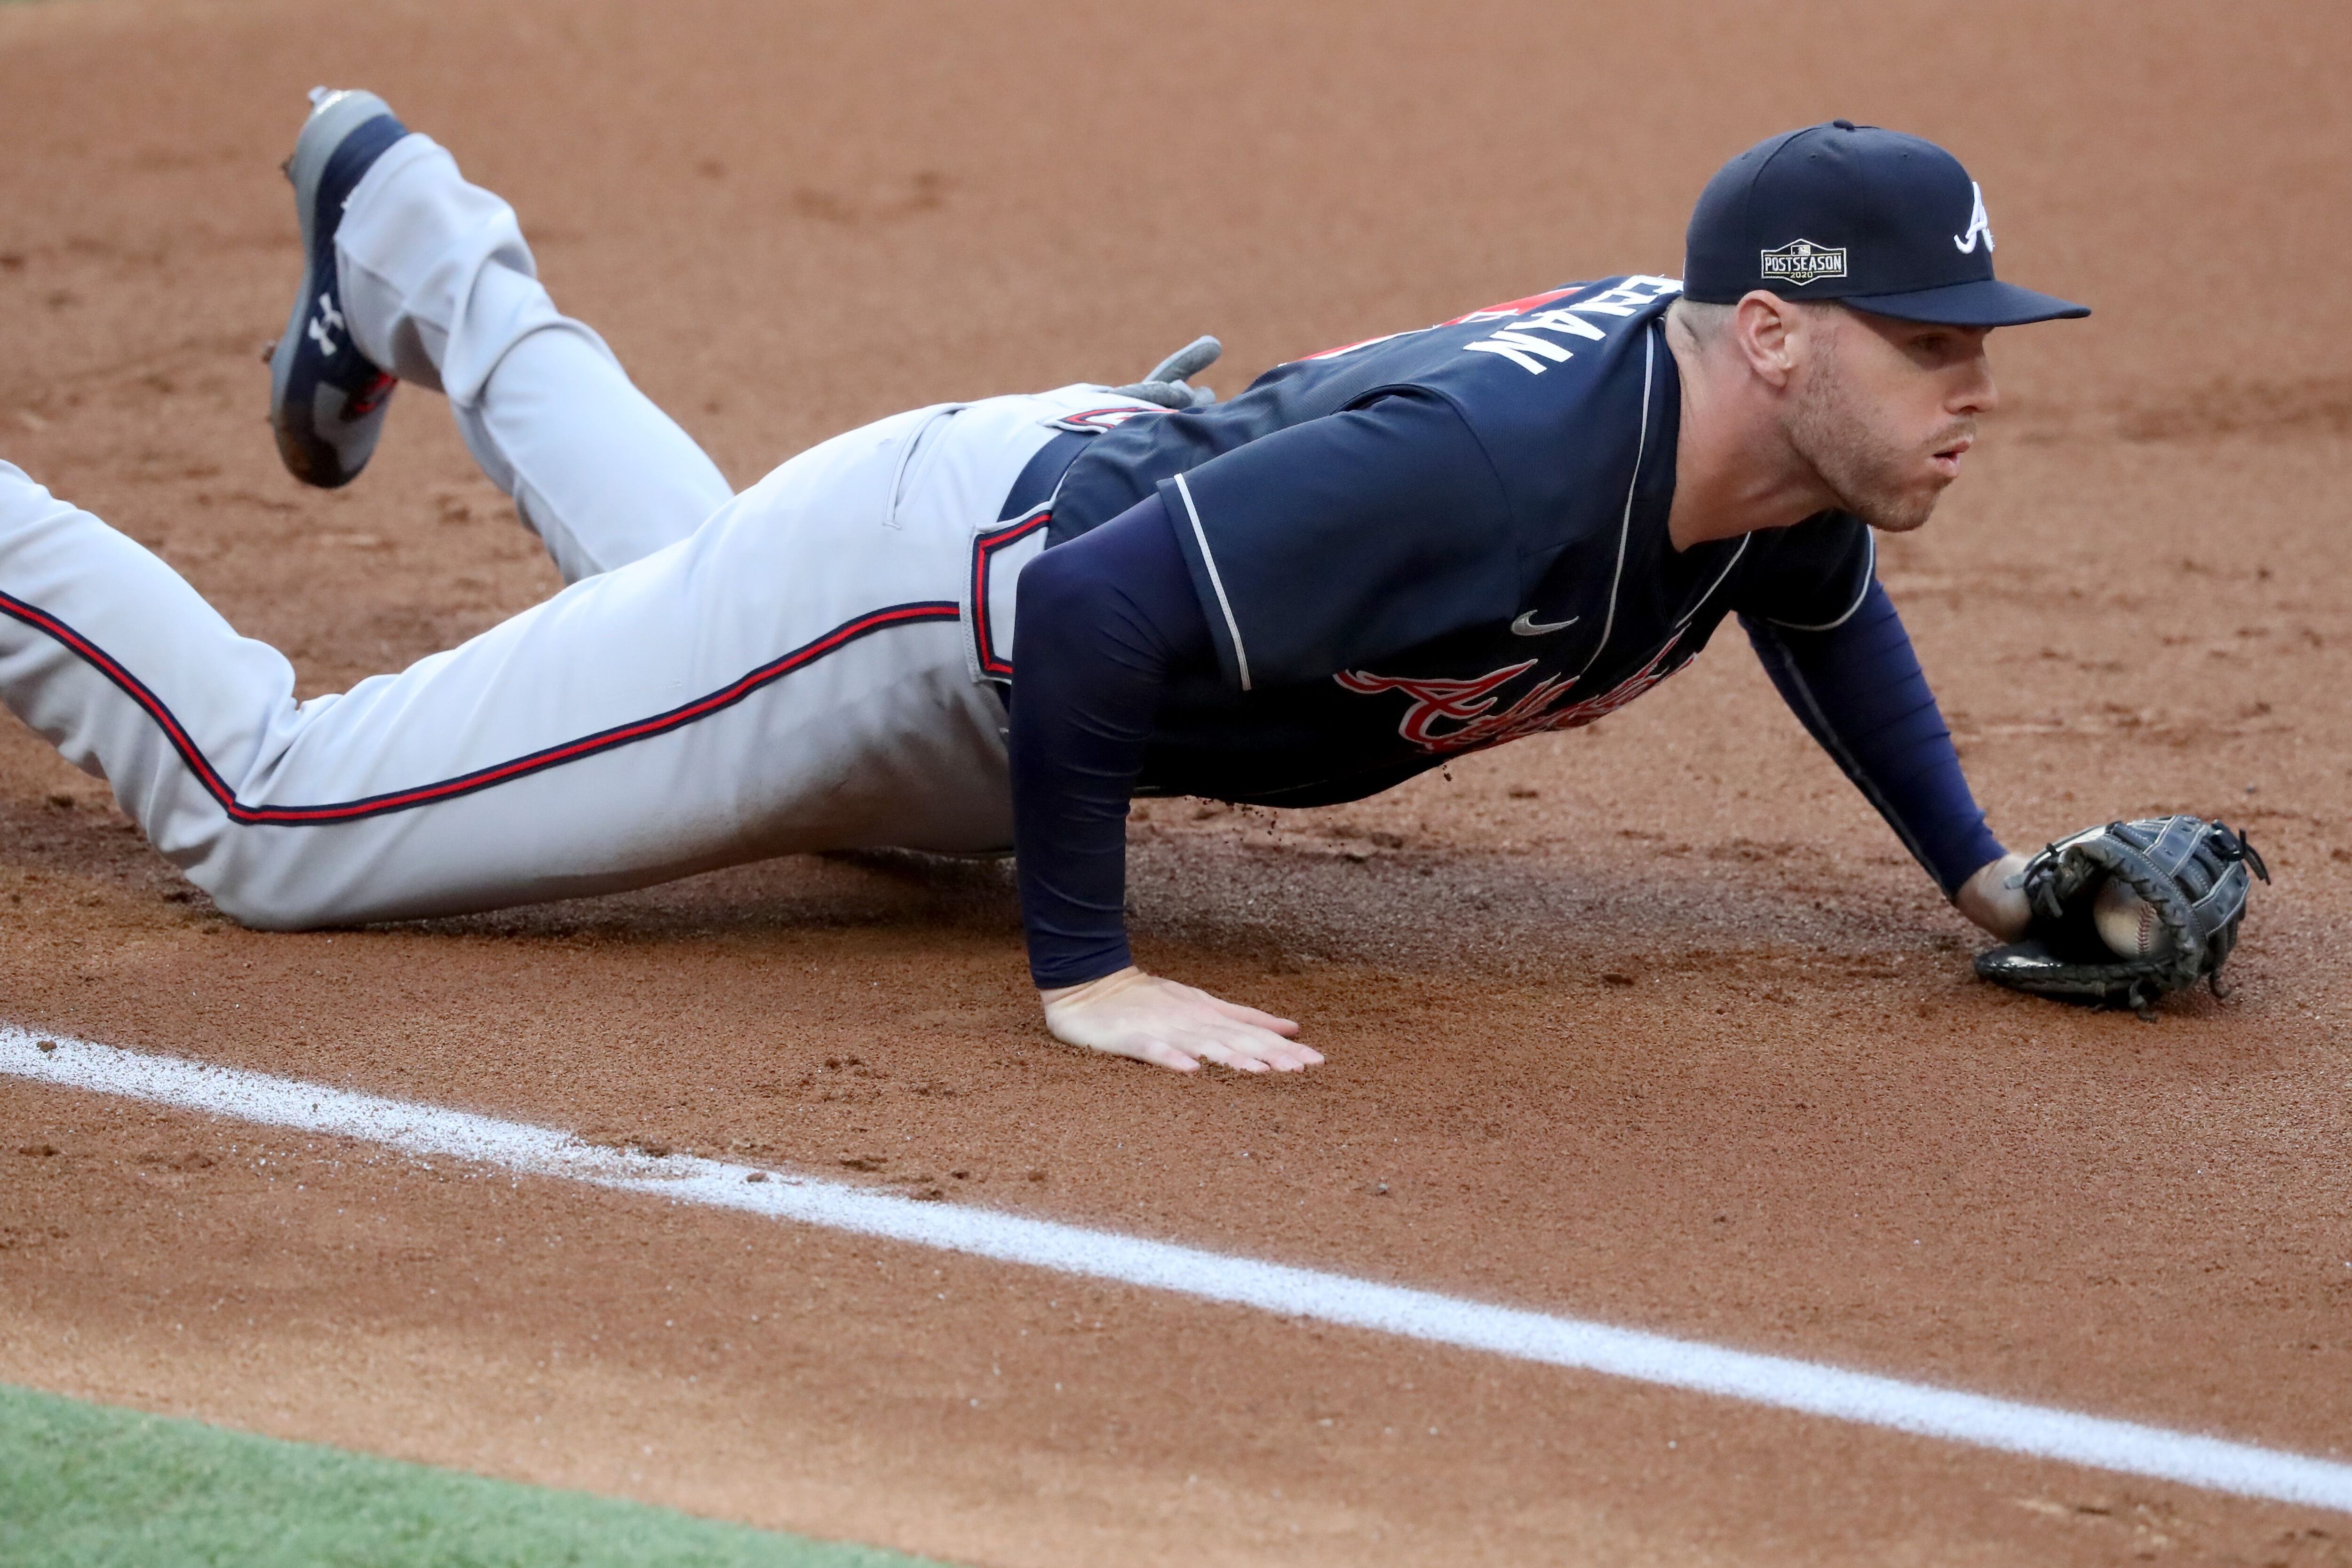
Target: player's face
<point x="1887" y="409"/>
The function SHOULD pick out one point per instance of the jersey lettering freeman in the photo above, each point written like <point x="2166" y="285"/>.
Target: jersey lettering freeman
<point x="1436" y="541"/>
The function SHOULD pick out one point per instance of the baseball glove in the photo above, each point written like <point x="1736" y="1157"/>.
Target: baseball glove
<point x="2193" y="875"/>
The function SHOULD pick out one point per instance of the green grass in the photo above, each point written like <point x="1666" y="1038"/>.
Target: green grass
<point x="93" y="1487"/>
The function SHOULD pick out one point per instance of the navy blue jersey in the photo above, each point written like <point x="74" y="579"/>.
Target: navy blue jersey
<point x="1438" y="541"/>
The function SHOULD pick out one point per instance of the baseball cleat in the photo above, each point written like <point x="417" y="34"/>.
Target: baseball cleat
<point x="327" y="399"/>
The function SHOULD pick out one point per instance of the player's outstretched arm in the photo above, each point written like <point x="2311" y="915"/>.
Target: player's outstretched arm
<point x="1858" y="688"/>
<point x="1103" y="620"/>
<point x="1134" y="1014"/>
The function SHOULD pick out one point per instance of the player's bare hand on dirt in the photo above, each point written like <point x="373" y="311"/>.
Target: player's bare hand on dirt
<point x="1134" y="1014"/>
<point x="1995" y="897"/>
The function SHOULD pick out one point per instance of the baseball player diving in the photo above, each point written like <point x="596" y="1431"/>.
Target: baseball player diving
<point x="988" y="625"/>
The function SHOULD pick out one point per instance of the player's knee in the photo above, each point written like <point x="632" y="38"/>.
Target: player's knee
<point x="266" y="912"/>
<point x="260" y="897"/>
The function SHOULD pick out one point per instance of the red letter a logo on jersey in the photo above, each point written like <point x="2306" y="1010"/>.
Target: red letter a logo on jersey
<point x="1454" y="716"/>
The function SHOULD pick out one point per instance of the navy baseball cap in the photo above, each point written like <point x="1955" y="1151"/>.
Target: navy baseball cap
<point x="1881" y="221"/>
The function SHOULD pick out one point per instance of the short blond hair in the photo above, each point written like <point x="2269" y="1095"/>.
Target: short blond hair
<point x="1705" y="323"/>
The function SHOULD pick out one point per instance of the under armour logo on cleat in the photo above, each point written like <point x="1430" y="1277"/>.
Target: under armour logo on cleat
<point x="329" y="320"/>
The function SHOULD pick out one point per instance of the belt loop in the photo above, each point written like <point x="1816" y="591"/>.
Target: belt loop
<point x="907" y="455"/>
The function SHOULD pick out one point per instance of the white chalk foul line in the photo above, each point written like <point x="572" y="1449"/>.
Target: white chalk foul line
<point x="1776" y="1381"/>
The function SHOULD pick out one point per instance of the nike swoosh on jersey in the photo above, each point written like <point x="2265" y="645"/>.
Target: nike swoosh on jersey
<point x="1526" y="625"/>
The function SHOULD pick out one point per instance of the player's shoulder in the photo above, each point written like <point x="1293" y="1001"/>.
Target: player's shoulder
<point x="1568" y="392"/>
<point x="1551" y="386"/>
<point x="1495" y="362"/>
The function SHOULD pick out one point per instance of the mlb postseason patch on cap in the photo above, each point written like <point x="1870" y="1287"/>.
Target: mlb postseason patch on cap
<point x="1883" y="222"/>
<point x="1801" y="261"/>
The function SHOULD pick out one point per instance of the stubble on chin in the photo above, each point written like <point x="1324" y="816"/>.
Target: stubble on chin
<point x="1872" y="475"/>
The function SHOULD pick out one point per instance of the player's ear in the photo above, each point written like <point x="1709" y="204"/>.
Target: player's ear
<point x="1766" y="329"/>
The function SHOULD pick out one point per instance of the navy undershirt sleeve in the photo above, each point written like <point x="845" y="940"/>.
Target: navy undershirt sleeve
<point x="1858" y="688"/>
<point x="1101" y="622"/>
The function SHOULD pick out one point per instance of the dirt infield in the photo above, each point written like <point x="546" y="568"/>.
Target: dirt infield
<point x="1651" y="1022"/>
